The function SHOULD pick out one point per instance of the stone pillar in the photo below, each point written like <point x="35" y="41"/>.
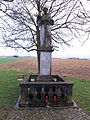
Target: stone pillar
<point x="45" y="50"/>
<point x="45" y="63"/>
<point x="44" y="22"/>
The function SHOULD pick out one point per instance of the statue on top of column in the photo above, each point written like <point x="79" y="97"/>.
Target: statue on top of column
<point x="44" y="22"/>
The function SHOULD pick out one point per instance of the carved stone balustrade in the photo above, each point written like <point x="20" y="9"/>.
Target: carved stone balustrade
<point x="36" y="93"/>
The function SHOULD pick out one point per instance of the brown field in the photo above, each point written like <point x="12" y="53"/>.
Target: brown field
<point x="77" y="68"/>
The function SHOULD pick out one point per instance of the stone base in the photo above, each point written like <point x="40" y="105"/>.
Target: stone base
<point x="40" y="93"/>
<point x="45" y="78"/>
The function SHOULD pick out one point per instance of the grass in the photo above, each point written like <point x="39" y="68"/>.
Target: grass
<point x="8" y="60"/>
<point x="81" y="92"/>
<point x="9" y="88"/>
<point x="9" y="91"/>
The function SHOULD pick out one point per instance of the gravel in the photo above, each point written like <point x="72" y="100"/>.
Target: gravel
<point x="47" y="113"/>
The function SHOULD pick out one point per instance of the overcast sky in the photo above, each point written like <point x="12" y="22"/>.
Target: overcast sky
<point x="76" y="51"/>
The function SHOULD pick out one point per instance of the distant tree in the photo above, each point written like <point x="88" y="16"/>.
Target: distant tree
<point x="8" y="0"/>
<point x="15" y="56"/>
<point x="20" y="27"/>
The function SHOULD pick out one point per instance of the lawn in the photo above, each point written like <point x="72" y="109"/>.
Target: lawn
<point x="10" y="90"/>
<point x="81" y="92"/>
<point x="8" y="60"/>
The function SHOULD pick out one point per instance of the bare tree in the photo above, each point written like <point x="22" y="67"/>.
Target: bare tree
<point x="20" y="27"/>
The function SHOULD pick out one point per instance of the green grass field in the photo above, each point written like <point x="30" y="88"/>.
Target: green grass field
<point x="81" y="92"/>
<point x="8" y="60"/>
<point x="10" y="90"/>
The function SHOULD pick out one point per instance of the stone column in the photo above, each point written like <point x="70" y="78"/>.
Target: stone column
<point x="45" y="63"/>
<point x="45" y="50"/>
<point x="45" y="21"/>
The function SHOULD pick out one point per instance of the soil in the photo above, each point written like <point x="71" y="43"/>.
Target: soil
<point x="64" y="67"/>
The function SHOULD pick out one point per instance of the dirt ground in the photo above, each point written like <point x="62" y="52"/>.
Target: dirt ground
<point x="64" y="67"/>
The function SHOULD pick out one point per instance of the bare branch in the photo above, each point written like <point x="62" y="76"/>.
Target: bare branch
<point x="19" y="27"/>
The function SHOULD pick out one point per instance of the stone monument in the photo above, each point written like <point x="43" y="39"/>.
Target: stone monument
<point x="44" y="88"/>
<point x="40" y="90"/>
<point x="44" y="22"/>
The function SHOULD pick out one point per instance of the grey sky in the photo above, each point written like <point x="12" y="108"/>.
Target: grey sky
<point x="76" y="51"/>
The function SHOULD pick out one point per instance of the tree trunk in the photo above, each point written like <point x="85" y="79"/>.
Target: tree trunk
<point x="38" y="49"/>
<point x="38" y="59"/>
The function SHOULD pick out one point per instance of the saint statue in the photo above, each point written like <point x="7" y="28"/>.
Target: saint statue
<point x="45" y="21"/>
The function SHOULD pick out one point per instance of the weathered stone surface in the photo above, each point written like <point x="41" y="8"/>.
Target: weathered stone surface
<point x="45" y="35"/>
<point x="45" y="78"/>
<point x="56" y="92"/>
<point x="44" y="22"/>
<point x="48" y="114"/>
<point x="45" y="63"/>
<point x="42" y="36"/>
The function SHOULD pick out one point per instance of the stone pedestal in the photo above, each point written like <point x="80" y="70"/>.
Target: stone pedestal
<point x="41" y="92"/>
<point x="45" y="63"/>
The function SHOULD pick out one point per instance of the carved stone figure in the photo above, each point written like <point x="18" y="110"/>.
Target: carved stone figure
<point x="45" y="21"/>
